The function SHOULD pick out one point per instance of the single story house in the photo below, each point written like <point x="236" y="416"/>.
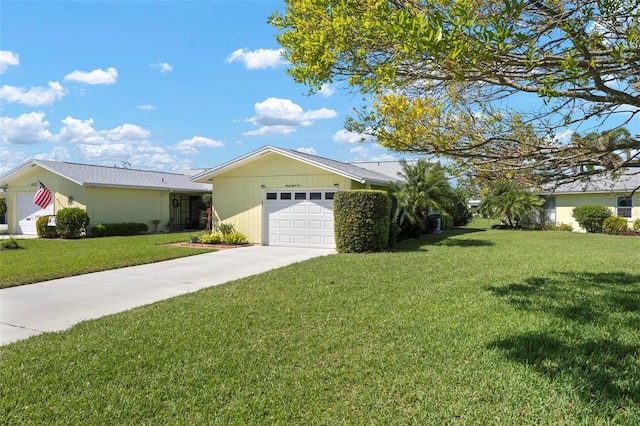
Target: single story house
<point x="603" y="190"/>
<point x="108" y="194"/>
<point x="278" y="196"/>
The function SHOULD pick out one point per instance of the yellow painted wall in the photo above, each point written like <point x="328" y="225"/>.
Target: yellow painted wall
<point x="117" y="205"/>
<point x="237" y="195"/>
<point x="566" y="202"/>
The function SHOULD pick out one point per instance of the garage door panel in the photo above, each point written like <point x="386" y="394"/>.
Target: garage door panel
<point x="299" y="222"/>
<point x="28" y="213"/>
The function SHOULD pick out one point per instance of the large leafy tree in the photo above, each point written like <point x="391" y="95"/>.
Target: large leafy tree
<point x="488" y="83"/>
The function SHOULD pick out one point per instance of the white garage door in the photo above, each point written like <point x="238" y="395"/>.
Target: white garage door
<point x="27" y="213"/>
<point x="299" y="217"/>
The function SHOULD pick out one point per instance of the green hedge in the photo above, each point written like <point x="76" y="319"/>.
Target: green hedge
<point x="118" y="229"/>
<point x="43" y="230"/>
<point x="361" y="221"/>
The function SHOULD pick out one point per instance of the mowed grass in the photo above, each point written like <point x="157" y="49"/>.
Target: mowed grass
<point x="44" y="259"/>
<point x="469" y="327"/>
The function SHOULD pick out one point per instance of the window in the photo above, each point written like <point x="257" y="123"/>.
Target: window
<point x="624" y="207"/>
<point x="272" y="196"/>
<point x="285" y="195"/>
<point x="301" y="196"/>
<point x="329" y="195"/>
<point x="315" y="196"/>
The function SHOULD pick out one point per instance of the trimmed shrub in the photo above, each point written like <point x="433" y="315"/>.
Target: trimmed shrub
<point x="72" y="222"/>
<point x="43" y="230"/>
<point x="615" y="225"/>
<point x="234" y="237"/>
<point x="636" y="225"/>
<point x="361" y="221"/>
<point x="591" y="217"/>
<point x="118" y="229"/>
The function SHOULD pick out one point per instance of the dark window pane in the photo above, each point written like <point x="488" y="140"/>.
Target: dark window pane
<point x="285" y="195"/>
<point x="315" y="196"/>
<point x="301" y="195"/>
<point x="329" y="195"/>
<point x="272" y="196"/>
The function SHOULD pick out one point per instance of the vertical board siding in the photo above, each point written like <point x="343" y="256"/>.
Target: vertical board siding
<point x="118" y="205"/>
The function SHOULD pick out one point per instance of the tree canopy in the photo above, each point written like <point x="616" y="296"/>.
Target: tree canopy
<point x="488" y="83"/>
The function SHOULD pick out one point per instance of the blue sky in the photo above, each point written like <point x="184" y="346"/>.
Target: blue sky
<point x="163" y="85"/>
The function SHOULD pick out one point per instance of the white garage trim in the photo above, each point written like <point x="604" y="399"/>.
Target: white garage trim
<point x="27" y="213"/>
<point x="298" y="217"/>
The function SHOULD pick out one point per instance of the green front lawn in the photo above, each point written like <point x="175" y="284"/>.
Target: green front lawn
<point x="43" y="259"/>
<point x="468" y="327"/>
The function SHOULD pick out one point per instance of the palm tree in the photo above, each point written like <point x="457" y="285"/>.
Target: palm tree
<point x="505" y="199"/>
<point x="424" y="191"/>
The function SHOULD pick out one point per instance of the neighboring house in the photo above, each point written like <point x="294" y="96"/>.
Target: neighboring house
<point x="613" y="193"/>
<point x="283" y="197"/>
<point x="108" y="194"/>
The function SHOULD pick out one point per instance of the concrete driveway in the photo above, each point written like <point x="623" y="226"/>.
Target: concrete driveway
<point x="56" y="305"/>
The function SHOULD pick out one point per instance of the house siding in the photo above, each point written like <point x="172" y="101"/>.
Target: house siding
<point x="566" y="202"/>
<point x="117" y="205"/>
<point x="238" y="194"/>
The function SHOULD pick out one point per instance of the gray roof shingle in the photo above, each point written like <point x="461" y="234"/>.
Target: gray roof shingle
<point x="90" y="175"/>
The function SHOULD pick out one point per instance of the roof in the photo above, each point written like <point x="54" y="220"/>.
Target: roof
<point x="349" y="170"/>
<point x="627" y="182"/>
<point x="90" y="175"/>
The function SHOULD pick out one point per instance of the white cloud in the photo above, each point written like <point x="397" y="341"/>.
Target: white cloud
<point x="362" y="153"/>
<point x="564" y="138"/>
<point x="327" y="90"/>
<point x="164" y="66"/>
<point x="188" y="146"/>
<point x="344" y="136"/>
<point x="271" y="131"/>
<point x="94" y="77"/>
<point x="35" y="96"/>
<point x="10" y="159"/>
<point x="258" y="59"/>
<point x="309" y="150"/>
<point x="281" y="116"/>
<point x="146" y="107"/>
<point x="8" y="58"/>
<point x="27" y="129"/>
<point x="59" y="153"/>
<point x="79" y="131"/>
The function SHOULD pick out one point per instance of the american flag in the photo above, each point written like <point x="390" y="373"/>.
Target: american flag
<point x="43" y="196"/>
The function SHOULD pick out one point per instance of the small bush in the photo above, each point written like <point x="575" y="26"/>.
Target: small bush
<point x="234" y="237"/>
<point x="550" y="226"/>
<point x="211" y="238"/>
<point x="447" y="221"/>
<point x="636" y="225"/>
<point x="72" y="222"/>
<point x="43" y="230"/>
<point x="615" y="225"/>
<point x="631" y="233"/>
<point x="10" y="244"/>
<point x="118" y="229"/>
<point x="591" y="217"/>
<point x="361" y="221"/>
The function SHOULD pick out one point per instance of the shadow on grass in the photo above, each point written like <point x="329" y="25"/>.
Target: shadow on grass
<point x="591" y="339"/>
<point x="446" y="238"/>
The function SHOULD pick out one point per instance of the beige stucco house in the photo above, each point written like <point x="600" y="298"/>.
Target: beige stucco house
<point x="278" y="196"/>
<point x="108" y="194"/>
<point x="603" y="190"/>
